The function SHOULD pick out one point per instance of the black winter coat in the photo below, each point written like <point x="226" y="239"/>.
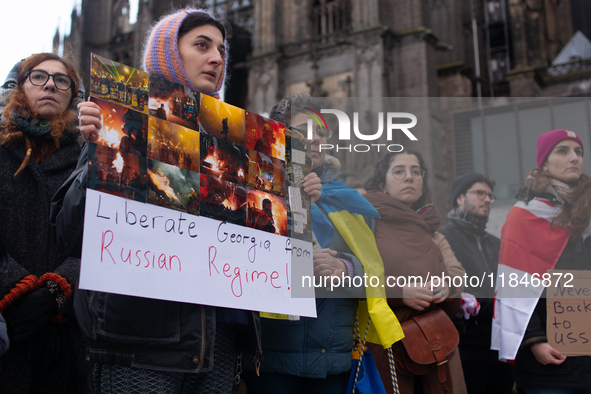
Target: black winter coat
<point x="134" y="331"/>
<point x="479" y="256"/>
<point x="574" y="372"/>
<point x="24" y="233"/>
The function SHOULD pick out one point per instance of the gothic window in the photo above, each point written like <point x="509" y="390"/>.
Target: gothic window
<point x="330" y="16"/>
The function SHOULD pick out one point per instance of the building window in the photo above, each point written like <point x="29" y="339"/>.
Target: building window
<point x="330" y="16"/>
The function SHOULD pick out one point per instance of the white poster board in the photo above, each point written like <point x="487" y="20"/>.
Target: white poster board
<point x="144" y="250"/>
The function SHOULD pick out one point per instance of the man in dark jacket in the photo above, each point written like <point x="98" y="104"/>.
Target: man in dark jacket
<point x="478" y="251"/>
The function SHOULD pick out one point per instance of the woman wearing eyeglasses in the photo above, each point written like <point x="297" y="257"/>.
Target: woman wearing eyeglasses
<point x="398" y="190"/>
<point x="38" y="151"/>
<point x="548" y="228"/>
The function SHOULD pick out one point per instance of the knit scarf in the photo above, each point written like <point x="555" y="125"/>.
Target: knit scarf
<point x="41" y="129"/>
<point x="557" y="189"/>
<point x="475" y="222"/>
<point x="560" y="190"/>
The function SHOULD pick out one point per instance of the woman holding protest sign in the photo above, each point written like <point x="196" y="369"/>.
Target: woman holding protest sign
<point x="398" y="190"/>
<point x="144" y="345"/>
<point x="314" y="355"/>
<point x="38" y="151"/>
<point x="548" y="228"/>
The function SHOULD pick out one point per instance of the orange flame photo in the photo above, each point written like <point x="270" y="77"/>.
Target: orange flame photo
<point x="119" y="173"/>
<point x="173" y="144"/>
<point x="223" y="160"/>
<point x="123" y="128"/>
<point x="221" y="120"/>
<point x="223" y="200"/>
<point x="265" y="135"/>
<point x="267" y="212"/>
<point x="174" y="103"/>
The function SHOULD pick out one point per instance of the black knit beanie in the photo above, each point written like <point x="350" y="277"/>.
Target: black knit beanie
<point x="461" y="184"/>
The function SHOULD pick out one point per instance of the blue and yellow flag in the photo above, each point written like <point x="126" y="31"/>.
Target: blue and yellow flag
<point x="345" y="207"/>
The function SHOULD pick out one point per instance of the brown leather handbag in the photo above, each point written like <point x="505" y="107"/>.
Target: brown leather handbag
<point x="429" y="342"/>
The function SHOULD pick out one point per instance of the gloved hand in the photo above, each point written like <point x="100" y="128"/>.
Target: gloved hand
<point x="30" y="313"/>
<point x="44" y="347"/>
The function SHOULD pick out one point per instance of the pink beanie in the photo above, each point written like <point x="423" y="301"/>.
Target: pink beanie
<point x="547" y="142"/>
<point x="161" y="55"/>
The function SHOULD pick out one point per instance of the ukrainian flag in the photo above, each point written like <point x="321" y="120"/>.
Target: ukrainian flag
<point x="345" y="208"/>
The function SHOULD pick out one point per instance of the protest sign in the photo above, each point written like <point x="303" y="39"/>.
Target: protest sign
<point x="569" y="312"/>
<point x="179" y="209"/>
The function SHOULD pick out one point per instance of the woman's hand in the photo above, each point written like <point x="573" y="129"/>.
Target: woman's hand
<point x="312" y="186"/>
<point x="325" y="264"/>
<point x="417" y="297"/>
<point x="440" y="293"/>
<point x="545" y="354"/>
<point x="89" y="116"/>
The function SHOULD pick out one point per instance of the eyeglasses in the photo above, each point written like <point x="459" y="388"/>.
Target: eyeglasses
<point x="400" y="173"/>
<point x="482" y="195"/>
<point x="322" y="133"/>
<point x="40" y="78"/>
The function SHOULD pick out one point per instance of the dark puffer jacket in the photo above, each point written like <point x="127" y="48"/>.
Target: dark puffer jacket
<point x="479" y="255"/>
<point x="133" y="331"/>
<point x="314" y="348"/>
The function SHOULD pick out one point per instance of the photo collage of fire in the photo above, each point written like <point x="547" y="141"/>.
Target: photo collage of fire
<point x="164" y="144"/>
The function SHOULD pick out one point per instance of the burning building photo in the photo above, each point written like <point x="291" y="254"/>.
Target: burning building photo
<point x="265" y="135"/>
<point x="118" y="83"/>
<point x="223" y="200"/>
<point x="221" y="120"/>
<point x="119" y="173"/>
<point x="173" y="187"/>
<point x="223" y="160"/>
<point x="266" y="173"/>
<point x="173" y="102"/>
<point x="173" y="144"/>
<point x="123" y="129"/>
<point x="266" y="212"/>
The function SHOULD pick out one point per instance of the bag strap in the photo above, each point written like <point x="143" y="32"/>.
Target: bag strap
<point x="393" y="375"/>
<point x="356" y="348"/>
<point x="434" y="345"/>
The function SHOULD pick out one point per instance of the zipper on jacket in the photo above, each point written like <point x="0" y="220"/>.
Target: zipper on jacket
<point x="482" y="255"/>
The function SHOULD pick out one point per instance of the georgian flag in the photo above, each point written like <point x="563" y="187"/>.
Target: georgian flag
<point x="529" y="246"/>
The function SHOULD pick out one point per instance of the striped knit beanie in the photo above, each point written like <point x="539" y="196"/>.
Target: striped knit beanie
<point x="161" y="55"/>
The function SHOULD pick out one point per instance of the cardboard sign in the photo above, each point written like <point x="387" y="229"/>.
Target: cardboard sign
<point x="569" y="312"/>
<point x="144" y="250"/>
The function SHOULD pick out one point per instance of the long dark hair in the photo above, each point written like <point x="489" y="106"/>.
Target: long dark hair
<point x="575" y="214"/>
<point x="377" y="179"/>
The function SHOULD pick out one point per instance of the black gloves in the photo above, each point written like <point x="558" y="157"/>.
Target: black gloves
<point x="31" y="313"/>
<point x="44" y="347"/>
